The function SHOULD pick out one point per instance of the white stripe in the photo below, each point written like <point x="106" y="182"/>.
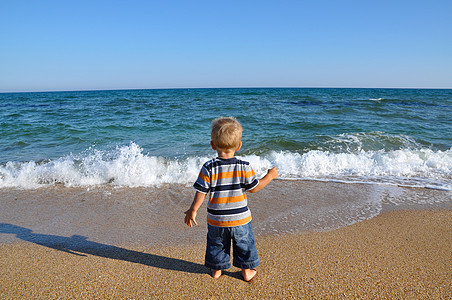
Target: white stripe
<point x="235" y="217"/>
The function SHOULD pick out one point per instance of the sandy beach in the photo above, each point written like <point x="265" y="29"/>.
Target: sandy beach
<point x="397" y="255"/>
<point x="132" y="244"/>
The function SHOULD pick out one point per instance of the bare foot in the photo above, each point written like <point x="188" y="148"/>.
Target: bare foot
<point x="215" y="273"/>
<point x="249" y="274"/>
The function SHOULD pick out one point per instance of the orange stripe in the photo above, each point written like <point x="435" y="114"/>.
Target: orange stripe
<point x="229" y="223"/>
<point x="228" y="199"/>
<point x="233" y="174"/>
<point x="204" y="177"/>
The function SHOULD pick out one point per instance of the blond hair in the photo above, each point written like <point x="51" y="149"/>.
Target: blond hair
<point x="226" y="133"/>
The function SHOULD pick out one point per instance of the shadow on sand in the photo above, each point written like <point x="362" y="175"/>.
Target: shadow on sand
<point x="81" y="246"/>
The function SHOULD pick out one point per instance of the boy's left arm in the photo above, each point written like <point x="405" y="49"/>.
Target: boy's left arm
<point x="190" y="215"/>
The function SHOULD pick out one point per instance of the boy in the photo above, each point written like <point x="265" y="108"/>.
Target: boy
<point x="228" y="217"/>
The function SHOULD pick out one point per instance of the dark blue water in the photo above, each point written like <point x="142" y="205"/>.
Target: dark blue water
<point x="148" y="137"/>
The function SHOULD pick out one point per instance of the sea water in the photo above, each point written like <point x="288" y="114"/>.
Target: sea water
<point x="132" y="138"/>
<point x="86" y="162"/>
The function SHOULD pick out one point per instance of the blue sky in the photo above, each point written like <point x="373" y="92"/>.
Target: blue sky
<point x="85" y="45"/>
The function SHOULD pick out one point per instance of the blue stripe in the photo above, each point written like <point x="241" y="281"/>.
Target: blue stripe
<point x="237" y="186"/>
<point x="230" y="187"/>
<point x="251" y="185"/>
<point x="223" y="162"/>
<point x="227" y="211"/>
<point x="200" y="188"/>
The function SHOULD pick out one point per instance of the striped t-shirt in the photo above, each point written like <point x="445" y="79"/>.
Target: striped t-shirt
<point x="226" y="180"/>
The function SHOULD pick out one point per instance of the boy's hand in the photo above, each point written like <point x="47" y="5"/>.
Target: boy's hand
<point x="273" y="173"/>
<point x="190" y="217"/>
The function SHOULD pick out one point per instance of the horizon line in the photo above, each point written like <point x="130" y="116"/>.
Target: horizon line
<point x="231" y="87"/>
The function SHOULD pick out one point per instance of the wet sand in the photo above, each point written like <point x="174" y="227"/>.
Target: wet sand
<point x="131" y="243"/>
<point x="147" y="217"/>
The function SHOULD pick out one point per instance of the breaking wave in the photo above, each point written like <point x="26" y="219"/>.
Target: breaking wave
<point x="128" y="166"/>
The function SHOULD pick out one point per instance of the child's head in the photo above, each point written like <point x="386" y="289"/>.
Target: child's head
<point x="226" y="133"/>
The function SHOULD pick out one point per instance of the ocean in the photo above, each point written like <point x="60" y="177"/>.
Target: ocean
<point x="141" y="138"/>
<point x="117" y="166"/>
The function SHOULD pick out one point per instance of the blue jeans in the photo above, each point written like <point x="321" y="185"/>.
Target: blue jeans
<point x="219" y="247"/>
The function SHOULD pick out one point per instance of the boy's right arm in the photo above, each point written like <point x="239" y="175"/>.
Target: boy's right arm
<point x="190" y="215"/>
<point x="271" y="174"/>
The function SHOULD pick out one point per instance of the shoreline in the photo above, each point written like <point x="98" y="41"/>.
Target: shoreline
<point x="145" y="217"/>
<point x="397" y="254"/>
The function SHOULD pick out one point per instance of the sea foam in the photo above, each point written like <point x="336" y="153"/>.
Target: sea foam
<point x="128" y="166"/>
